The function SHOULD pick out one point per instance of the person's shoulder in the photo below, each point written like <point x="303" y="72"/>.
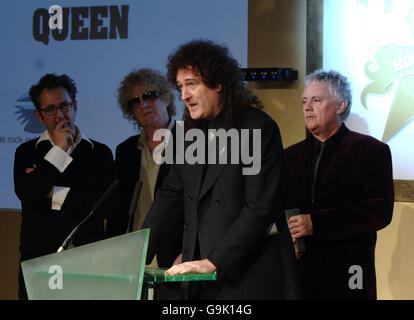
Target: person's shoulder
<point x="364" y="139"/>
<point x="255" y="116"/>
<point x="100" y="147"/>
<point x="256" y="113"/>
<point x="28" y="145"/>
<point x="128" y="143"/>
<point x="296" y="147"/>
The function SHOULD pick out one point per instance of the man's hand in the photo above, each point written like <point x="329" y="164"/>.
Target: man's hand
<point x="63" y="136"/>
<point x="300" y="226"/>
<point x="30" y="170"/>
<point x="198" y="266"/>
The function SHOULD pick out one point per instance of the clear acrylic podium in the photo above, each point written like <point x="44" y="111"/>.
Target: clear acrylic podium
<point x="154" y="277"/>
<point x="108" y="269"/>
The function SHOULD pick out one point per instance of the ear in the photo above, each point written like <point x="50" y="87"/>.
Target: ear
<point x="341" y="107"/>
<point x="75" y="105"/>
<point x="39" y="115"/>
<point x="218" y="89"/>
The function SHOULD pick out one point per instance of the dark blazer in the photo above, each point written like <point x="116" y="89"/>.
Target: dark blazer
<point x="353" y="198"/>
<point x="227" y="214"/>
<point x="128" y="161"/>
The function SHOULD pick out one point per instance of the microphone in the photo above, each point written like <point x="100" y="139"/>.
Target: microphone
<point x="133" y="205"/>
<point x="68" y="241"/>
<point x="300" y="245"/>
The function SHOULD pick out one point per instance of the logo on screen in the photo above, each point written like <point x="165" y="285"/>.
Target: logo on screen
<point x="393" y="70"/>
<point x="391" y="28"/>
<point x="26" y="115"/>
<point x="83" y="23"/>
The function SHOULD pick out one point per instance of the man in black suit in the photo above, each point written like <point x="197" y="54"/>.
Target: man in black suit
<point x="145" y="96"/>
<point x="341" y="182"/>
<point x="233" y="217"/>
<point x="59" y="176"/>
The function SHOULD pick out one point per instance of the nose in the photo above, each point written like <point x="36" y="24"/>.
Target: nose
<point x="144" y="104"/>
<point x="60" y="114"/>
<point x="307" y="106"/>
<point x="185" y="94"/>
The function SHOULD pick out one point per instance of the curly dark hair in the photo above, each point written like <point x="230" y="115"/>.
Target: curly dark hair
<point x="151" y="80"/>
<point x="52" y="81"/>
<point x="216" y="66"/>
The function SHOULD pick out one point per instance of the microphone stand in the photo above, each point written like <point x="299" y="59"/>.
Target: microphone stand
<point x="68" y="241"/>
<point x="133" y="205"/>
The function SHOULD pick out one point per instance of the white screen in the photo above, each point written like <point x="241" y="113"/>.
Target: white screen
<point x="372" y="43"/>
<point x="155" y="29"/>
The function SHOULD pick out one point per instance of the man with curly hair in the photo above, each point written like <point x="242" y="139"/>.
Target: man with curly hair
<point x="146" y="97"/>
<point x="233" y="223"/>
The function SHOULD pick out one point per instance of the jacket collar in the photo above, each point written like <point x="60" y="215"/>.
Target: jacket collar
<point x="334" y="139"/>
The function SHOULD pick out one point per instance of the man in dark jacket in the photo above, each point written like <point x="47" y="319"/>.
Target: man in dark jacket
<point x="225" y="184"/>
<point x="145" y="96"/>
<point x="341" y="182"/>
<point x="59" y="176"/>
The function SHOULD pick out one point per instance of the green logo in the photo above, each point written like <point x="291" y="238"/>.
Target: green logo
<point x="393" y="68"/>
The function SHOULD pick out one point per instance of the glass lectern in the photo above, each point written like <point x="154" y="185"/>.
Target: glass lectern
<point x="108" y="269"/>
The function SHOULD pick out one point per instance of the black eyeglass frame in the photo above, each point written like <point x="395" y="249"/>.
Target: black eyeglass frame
<point x="65" y="107"/>
<point x="146" y="96"/>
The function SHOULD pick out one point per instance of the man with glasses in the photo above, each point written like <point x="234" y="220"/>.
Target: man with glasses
<point x="59" y="176"/>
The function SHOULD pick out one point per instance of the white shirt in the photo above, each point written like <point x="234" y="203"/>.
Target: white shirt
<point x="61" y="160"/>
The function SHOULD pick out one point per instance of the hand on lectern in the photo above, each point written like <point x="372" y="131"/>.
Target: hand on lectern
<point x="198" y="266"/>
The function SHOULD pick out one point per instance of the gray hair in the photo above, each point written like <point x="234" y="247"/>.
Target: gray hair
<point x="339" y="84"/>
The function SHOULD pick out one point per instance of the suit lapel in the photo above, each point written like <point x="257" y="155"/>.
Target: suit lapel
<point x="213" y="171"/>
<point x="212" y="174"/>
<point x="194" y="174"/>
<point x="197" y="171"/>
<point x="308" y="174"/>
<point x="136" y="160"/>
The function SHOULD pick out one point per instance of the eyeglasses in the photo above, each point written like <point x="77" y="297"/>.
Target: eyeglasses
<point x="149" y="96"/>
<point x="64" y="107"/>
